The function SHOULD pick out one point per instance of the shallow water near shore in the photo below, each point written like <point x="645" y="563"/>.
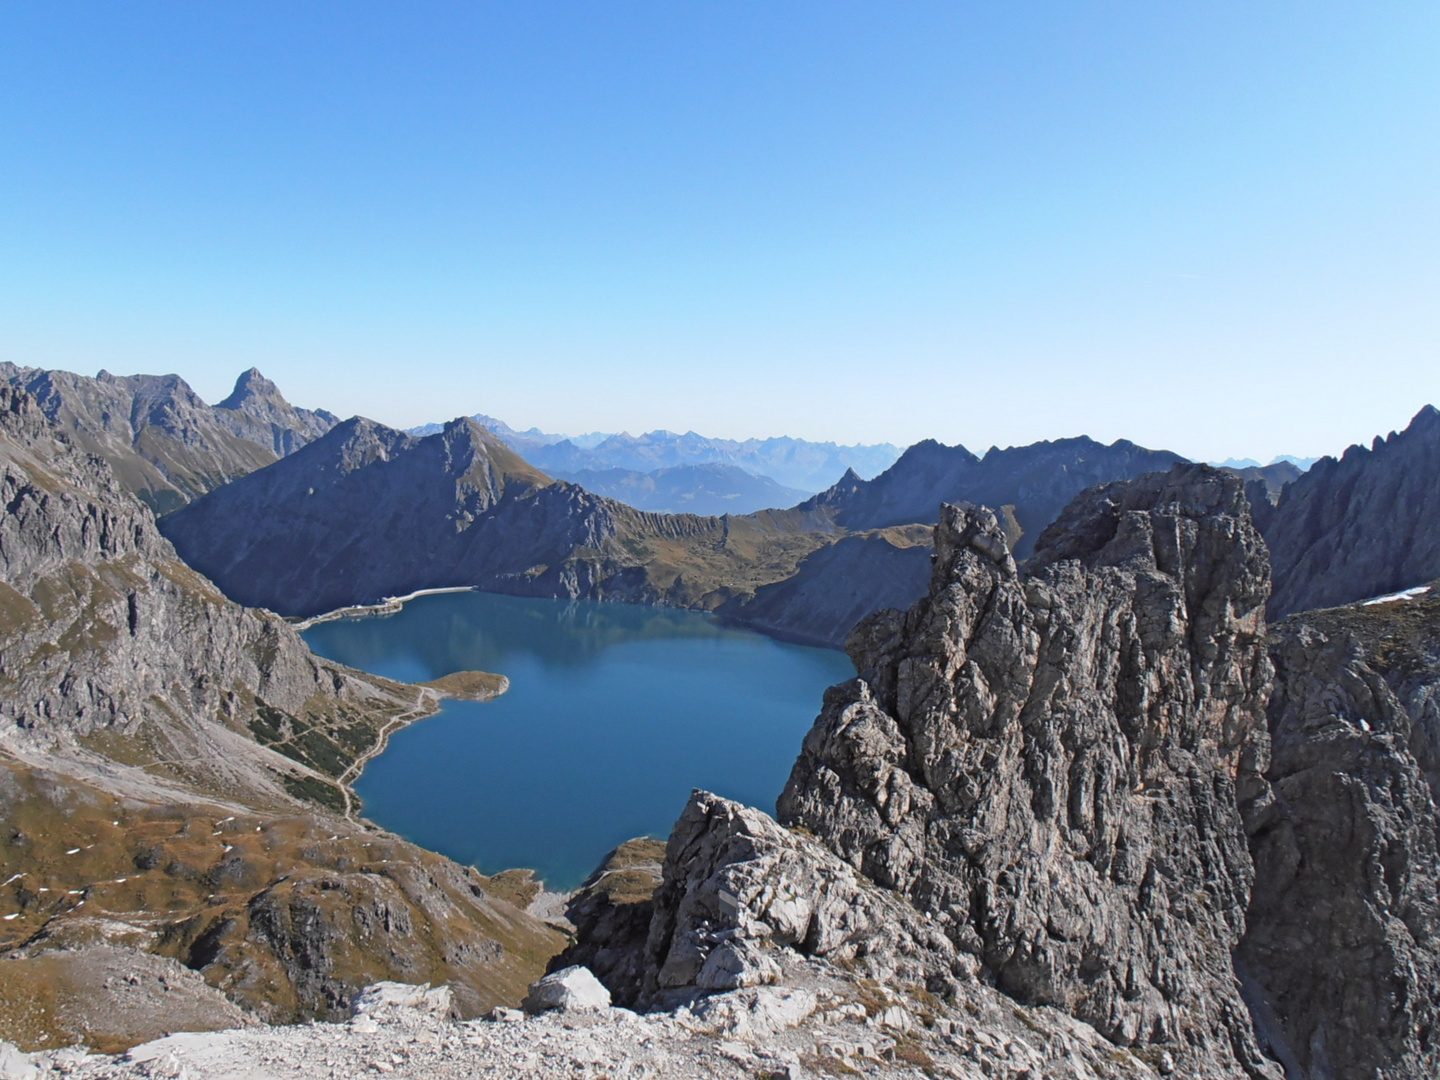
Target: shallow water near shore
<point x="614" y="713"/>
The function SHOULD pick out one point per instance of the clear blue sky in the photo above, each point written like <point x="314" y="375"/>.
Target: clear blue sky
<point x="1213" y="227"/>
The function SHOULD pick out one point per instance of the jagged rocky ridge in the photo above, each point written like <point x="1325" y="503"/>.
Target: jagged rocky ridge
<point x="1052" y="781"/>
<point x="1059" y="781"/>
<point x="1364" y="525"/>
<point x="173" y="788"/>
<point x="1051" y="763"/>
<point x="165" y="444"/>
<point x="1343" y="934"/>
<point x="1026" y="485"/>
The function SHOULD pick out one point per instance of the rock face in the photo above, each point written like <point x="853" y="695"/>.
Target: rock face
<point x="164" y="444"/>
<point x="1343" y="944"/>
<point x="1365" y="525"/>
<point x="1050" y="763"/>
<point x="104" y="628"/>
<point x="736" y="885"/>
<point x="174" y="780"/>
<point x="571" y="989"/>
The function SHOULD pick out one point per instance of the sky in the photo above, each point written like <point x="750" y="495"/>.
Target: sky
<point x="1212" y="227"/>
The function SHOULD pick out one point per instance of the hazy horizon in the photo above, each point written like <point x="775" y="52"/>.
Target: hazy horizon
<point x="1208" y="228"/>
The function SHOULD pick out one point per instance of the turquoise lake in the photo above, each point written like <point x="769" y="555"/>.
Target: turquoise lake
<point x="614" y="713"/>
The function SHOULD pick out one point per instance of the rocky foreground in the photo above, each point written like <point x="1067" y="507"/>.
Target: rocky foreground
<point x="818" y="1025"/>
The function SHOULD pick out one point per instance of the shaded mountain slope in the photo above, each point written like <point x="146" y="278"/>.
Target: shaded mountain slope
<point x="165" y="444"/>
<point x="838" y="585"/>
<point x="173" y="777"/>
<point x="368" y="512"/>
<point x="1364" y="525"/>
<point x="1027" y="485"/>
<point x="1343" y="931"/>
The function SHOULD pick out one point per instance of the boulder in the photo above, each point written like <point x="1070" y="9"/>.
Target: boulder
<point x="16" y="1065"/>
<point x="572" y="989"/>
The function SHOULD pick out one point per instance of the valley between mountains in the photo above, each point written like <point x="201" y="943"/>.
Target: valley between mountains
<point x="1138" y="775"/>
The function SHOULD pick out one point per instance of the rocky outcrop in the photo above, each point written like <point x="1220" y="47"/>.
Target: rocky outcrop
<point x="173" y="782"/>
<point x="1051" y="763"/>
<point x="736" y="887"/>
<point x="1342" y="954"/>
<point x="164" y="444"/>
<point x="1365" y="525"/>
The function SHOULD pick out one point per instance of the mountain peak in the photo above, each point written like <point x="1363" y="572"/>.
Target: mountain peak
<point x="249" y="386"/>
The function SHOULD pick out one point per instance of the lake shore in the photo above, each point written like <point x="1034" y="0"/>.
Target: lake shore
<point x="388" y="606"/>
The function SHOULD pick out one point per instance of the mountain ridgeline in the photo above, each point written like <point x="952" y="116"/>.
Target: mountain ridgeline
<point x="181" y="765"/>
<point x="164" y="444"/>
<point x="1364" y="525"/>
<point x="1085" y="812"/>
<point x="1094" y="783"/>
<point x="797" y="464"/>
<point x="367" y="512"/>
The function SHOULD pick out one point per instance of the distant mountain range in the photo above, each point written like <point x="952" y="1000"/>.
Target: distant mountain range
<point x="792" y="463"/>
<point x="1301" y="463"/>
<point x="366" y="512"/>
<point x="687" y="489"/>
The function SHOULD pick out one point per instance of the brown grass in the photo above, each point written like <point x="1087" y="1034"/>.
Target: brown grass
<point x="470" y="685"/>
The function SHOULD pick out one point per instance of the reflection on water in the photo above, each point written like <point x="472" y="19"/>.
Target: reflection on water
<point x="615" y="712"/>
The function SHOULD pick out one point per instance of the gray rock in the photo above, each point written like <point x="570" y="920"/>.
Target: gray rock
<point x="571" y="989"/>
<point x="165" y="444"/>
<point x="1049" y="763"/>
<point x="15" y="1065"/>
<point x="738" y="890"/>
<point x="384" y="1000"/>
<point x="1365" y="525"/>
<point x="1342" y="949"/>
<point x="129" y="679"/>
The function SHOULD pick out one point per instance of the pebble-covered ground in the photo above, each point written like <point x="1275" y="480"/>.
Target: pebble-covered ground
<point x="834" y="1026"/>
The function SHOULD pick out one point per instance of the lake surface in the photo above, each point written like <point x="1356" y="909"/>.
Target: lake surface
<point x="614" y="713"/>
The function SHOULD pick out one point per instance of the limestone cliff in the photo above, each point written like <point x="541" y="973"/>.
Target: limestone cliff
<point x="1051" y="763"/>
<point x="1343" y="945"/>
<point x="1361" y="526"/>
